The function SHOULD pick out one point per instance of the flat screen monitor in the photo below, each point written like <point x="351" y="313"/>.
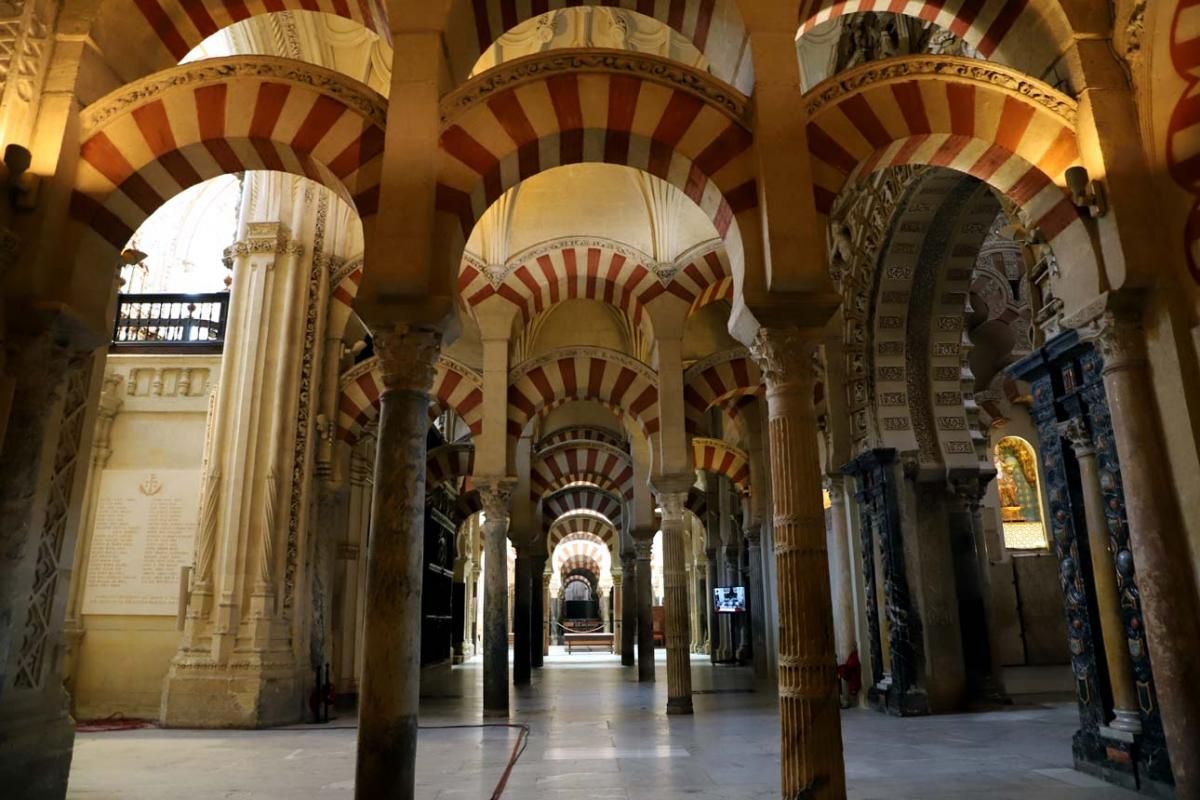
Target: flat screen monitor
<point x="729" y="599"/>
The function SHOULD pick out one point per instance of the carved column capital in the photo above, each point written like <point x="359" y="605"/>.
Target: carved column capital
<point x="1121" y="339"/>
<point x="1075" y="432"/>
<point x="672" y="504"/>
<point x="642" y="548"/>
<point x="496" y="497"/>
<point x="407" y="357"/>
<point x="754" y="535"/>
<point x="785" y="355"/>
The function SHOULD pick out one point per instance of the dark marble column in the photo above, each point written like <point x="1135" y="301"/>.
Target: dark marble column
<point x="391" y="676"/>
<point x="757" y="602"/>
<point x="522" y="613"/>
<point x="969" y="585"/>
<point x="811" y="760"/>
<point x="645" y="616"/>
<point x="679" y="665"/>
<point x="714" y="622"/>
<point x="495" y="496"/>
<point x="537" y="610"/>
<point x="629" y="609"/>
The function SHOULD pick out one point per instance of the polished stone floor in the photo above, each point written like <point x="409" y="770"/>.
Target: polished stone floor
<point x="596" y="733"/>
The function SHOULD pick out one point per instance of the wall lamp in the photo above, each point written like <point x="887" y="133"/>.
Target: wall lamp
<point x="22" y="184"/>
<point x="1087" y="195"/>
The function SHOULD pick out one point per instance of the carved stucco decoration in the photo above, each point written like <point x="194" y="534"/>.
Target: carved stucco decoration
<point x="907" y="68"/>
<point x="617" y="62"/>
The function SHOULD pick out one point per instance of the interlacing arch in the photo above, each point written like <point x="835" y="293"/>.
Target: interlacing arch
<point x="540" y="112"/>
<point x="582" y="373"/>
<point x="581" y="498"/>
<point x="180" y="25"/>
<point x="151" y="139"/>
<point x="723" y="379"/>
<point x="722" y="458"/>
<point x="714" y="26"/>
<point x="455" y="386"/>
<point x="584" y="523"/>
<point x="1004" y="128"/>
<point x="604" y="465"/>
<point x="450" y="462"/>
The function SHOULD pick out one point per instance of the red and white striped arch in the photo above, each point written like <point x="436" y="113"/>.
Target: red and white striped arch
<point x="586" y="373"/>
<point x="608" y="467"/>
<point x="449" y="462"/>
<point x="705" y="278"/>
<point x="584" y="556"/>
<point x="697" y="503"/>
<point x="1024" y="34"/>
<point x="455" y="386"/>
<point x="582" y="433"/>
<point x="150" y="140"/>
<point x="1004" y="128"/>
<point x="719" y="380"/>
<point x="543" y="111"/>
<point x="713" y="26"/>
<point x="180" y="25"/>
<point x="582" y="524"/>
<point x="722" y="458"/>
<point x="581" y="498"/>
<point x="341" y="297"/>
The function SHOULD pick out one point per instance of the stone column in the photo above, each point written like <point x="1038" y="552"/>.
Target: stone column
<point x="679" y="663"/>
<point x="969" y="582"/>
<point x="757" y="602"/>
<point x="522" y="617"/>
<point x="714" y="622"/>
<point x="465" y="649"/>
<point x="496" y="497"/>
<point x="605" y="619"/>
<point x="693" y="624"/>
<point x="839" y="569"/>
<point x="618" y="621"/>
<point x="547" y="616"/>
<point x="391" y="681"/>
<point x="811" y="747"/>
<point x="1160" y="552"/>
<point x="629" y="602"/>
<point x="645" y="599"/>
<point x="473" y="610"/>
<point x="537" y="609"/>
<point x="1104" y="575"/>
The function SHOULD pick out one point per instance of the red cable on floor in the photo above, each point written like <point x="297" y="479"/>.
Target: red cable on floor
<point x="113" y="722"/>
<point x="518" y="747"/>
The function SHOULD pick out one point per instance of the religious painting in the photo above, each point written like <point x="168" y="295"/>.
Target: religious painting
<point x="1020" y="494"/>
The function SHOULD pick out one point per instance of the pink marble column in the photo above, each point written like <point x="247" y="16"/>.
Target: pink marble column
<point x="675" y="602"/>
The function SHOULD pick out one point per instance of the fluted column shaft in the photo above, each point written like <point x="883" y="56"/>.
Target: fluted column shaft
<point x="495" y="497"/>
<point x="1104" y="577"/>
<point x="629" y="616"/>
<point x="522" y="618"/>
<point x="675" y="602"/>
<point x="389" y="692"/>
<point x="645" y="616"/>
<point x="811" y="747"/>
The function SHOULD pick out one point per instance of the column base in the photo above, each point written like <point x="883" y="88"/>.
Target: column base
<point x="235" y="695"/>
<point x="1116" y="757"/>
<point x="679" y="705"/>
<point x="886" y="699"/>
<point x="35" y="755"/>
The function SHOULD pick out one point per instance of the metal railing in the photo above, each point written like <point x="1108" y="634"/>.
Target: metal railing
<point x="157" y="322"/>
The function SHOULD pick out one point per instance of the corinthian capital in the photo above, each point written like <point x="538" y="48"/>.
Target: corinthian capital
<point x="785" y="354"/>
<point x="1075" y="433"/>
<point x="407" y="357"/>
<point x="672" y="504"/>
<point x="1121" y="339"/>
<point x="496" y="497"/>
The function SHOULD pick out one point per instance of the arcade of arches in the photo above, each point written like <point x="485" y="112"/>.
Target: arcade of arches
<point x="354" y="347"/>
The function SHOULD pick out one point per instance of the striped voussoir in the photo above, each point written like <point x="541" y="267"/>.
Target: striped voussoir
<point x="345" y="285"/>
<point x="714" y="27"/>
<point x="450" y="462"/>
<point x="151" y="139"/>
<point x="721" y="458"/>
<point x="606" y="466"/>
<point x="582" y="433"/>
<point x="580" y="557"/>
<point x="581" y="498"/>
<point x="543" y="111"/>
<point x="590" y="373"/>
<point x="1006" y="129"/>
<point x="182" y="24"/>
<point x="720" y="380"/>
<point x="455" y="386"/>
<point x="705" y="278"/>
<point x="1013" y="32"/>
<point x="697" y="503"/>
<point x="583" y="524"/>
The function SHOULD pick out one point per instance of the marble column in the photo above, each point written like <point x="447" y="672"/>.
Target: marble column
<point x="1169" y="603"/>
<point x="840" y="569"/>
<point x="679" y="660"/>
<point x="537" y="614"/>
<point x="523" y="617"/>
<point x="605" y="619"/>
<point x="391" y="681"/>
<point x="739" y="624"/>
<point x="757" y="602"/>
<point x="629" y="602"/>
<point x="465" y="649"/>
<point x="693" y="623"/>
<point x="473" y="630"/>
<point x="811" y="748"/>
<point x="1104" y="576"/>
<point x="645" y="616"/>
<point x="495" y="497"/>
<point x="618" y="621"/>
<point x="969" y="574"/>
<point x="714" y="621"/>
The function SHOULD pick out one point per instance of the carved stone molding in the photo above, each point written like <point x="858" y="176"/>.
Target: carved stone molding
<point x="586" y="352"/>
<point x="785" y="355"/>
<point x="407" y="357"/>
<point x="367" y="102"/>
<point x="511" y="74"/>
<point x="263" y="238"/>
<point x="905" y="68"/>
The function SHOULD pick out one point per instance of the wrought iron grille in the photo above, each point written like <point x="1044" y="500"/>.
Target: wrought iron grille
<point x="171" y="321"/>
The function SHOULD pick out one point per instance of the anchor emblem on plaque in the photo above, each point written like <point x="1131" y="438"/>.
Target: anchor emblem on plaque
<point x="151" y="486"/>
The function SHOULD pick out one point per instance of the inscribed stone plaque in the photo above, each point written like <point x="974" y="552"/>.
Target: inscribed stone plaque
<point x="143" y="531"/>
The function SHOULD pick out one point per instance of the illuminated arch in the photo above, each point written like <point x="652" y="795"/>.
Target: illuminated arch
<point x="722" y="458"/>
<point x="1019" y="483"/>
<point x="455" y="386"/>
<point x="586" y="523"/>
<point x="610" y="468"/>
<point x="581" y="498"/>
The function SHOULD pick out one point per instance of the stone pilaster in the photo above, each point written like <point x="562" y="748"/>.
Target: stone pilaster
<point x="679" y="666"/>
<point x="642" y="542"/>
<point x="811" y="747"/>
<point x="496" y="497"/>
<point x="629" y="600"/>
<point x="391" y="678"/>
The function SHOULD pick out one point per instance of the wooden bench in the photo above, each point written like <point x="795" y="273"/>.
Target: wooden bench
<point x="587" y="641"/>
